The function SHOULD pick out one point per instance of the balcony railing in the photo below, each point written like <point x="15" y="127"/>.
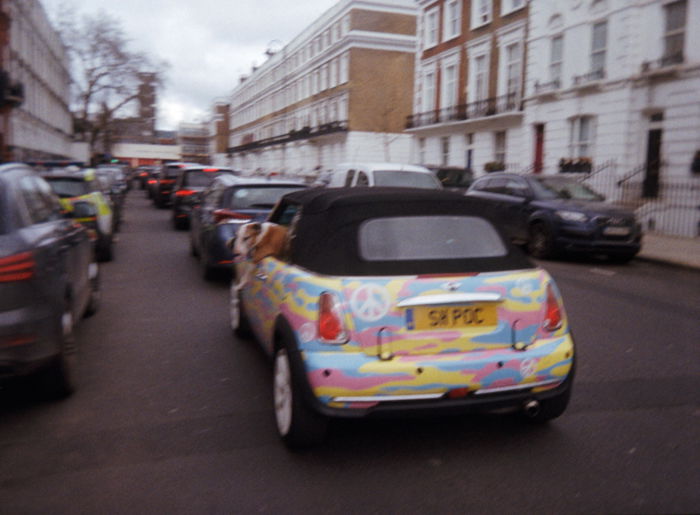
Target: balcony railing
<point x="547" y="87"/>
<point x="664" y="62"/>
<point x="474" y="110"/>
<point x="586" y="78"/>
<point x="293" y="135"/>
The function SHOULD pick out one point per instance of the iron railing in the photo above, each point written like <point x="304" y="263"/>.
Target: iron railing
<point x="473" y="110"/>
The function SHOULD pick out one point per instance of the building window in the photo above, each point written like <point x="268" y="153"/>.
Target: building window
<point x="499" y="147"/>
<point x="481" y="87"/>
<point x="556" y="58"/>
<point x="421" y="151"/>
<point x="453" y="19"/>
<point x="513" y="66"/>
<point x="449" y="86"/>
<point x="481" y="12"/>
<point x="429" y="91"/>
<point x="598" y="47"/>
<point x="445" y="146"/>
<point x="431" y="28"/>
<point x="674" y="34"/>
<point x="344" y="68"/>
<point x="508" y="6"/>
<point x="581" y="137"/>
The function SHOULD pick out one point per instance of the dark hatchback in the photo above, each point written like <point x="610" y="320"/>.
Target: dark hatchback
<point x="188" y="187"/>
<point x="225" y="206"/>
<point x="48" y="281"/>
<point x="551" y="214"/>
<point x="165" y="182"/>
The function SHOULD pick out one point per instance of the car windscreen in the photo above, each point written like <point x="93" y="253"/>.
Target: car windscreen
<point x="412" y="238"/>
<point x="405" y="178"/>
<point x="568" y="190"/>
<point x="202" y="178"/>
<point x="170" y="172"/>
<point x="258" y="197"/>
<point x="67" y="187"/>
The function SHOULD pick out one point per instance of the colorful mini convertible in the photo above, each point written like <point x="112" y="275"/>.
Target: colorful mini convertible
<point x="394" y="300"/>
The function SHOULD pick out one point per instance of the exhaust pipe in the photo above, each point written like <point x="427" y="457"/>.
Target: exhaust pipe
<point x="531" y="408"/>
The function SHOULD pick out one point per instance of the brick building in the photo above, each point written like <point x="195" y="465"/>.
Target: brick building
<point x="469" y="81"/>
<point x="341" y="90"/>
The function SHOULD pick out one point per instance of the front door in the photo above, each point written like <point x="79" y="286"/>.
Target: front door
<point x="539" y="148"/>
<point x="653" y="164"/>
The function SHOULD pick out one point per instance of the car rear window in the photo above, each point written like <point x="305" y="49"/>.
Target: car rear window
<point x="68" y="187"/>
<point x="258" y="197"/>
<point x="201" y="178"/>
<point x="405" y="178"/>
<point x="414" y="238"/>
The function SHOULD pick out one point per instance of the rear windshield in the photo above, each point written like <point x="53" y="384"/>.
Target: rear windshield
<point x="201" y="178"/>
<point x="170" y="172"/>
<point x="67" y="187"/>
<point x="413" y="238"/>
<point x="258" y="197"/>
<point x="405" y="178"/>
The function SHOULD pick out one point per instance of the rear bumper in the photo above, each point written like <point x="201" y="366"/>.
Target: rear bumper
<point x="343" y="384"/>
<point x="569" y="244"/>
<point x="29" y="339"/>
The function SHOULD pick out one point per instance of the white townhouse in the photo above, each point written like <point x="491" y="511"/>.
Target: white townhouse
<point x="36" y="117"/>
<point x="613" y="91"/>
<point x="340" y="90"/>
<point x="469" y="80"/>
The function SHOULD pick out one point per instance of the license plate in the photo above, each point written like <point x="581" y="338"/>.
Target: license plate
<point x="616" y="231"/>
<point x="425" y="318"/>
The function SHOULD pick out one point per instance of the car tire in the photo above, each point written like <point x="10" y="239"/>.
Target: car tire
<point x="621" y="259"/>
<point x="239" y="320"/>
<point x="95" y="292"/>
<point x="104" y="250"/>
<point x="540" y="243"/>
<point x="297" y="424"/>
<point x="193" y="249"/>
<point x="58" y="380"/>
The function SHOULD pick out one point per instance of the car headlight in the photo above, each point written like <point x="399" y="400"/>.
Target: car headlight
<point x="572" y="216"/>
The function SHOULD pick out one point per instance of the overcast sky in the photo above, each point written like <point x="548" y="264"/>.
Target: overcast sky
<point x="209" y="44"/>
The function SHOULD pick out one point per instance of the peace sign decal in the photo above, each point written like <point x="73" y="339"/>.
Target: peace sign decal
<point x="370" y="302"/>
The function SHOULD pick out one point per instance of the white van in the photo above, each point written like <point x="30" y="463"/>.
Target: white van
<point x="383" y="174"/>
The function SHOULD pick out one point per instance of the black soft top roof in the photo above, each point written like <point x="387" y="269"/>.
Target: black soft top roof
<point x="325" y="238"/>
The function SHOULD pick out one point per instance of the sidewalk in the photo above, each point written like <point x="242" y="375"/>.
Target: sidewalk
<point x="674" y="250"/>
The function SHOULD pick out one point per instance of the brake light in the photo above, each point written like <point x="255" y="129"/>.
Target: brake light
<point x="221" y="215"/>
<point x="553" y="312"/>
<point x="330" y="320"/>
<point x="211" y="169"/>
<point x="152" y="181"/>
<point x="184" y="193"/>
<point x="19" y="267"/>
<point x="167" y="181"/>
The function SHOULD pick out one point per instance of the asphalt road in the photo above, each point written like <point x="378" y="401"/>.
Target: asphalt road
<point x="174" y="416"/>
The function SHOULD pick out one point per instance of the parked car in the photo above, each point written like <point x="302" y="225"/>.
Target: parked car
<point x="152" y="182"/>
<point x="73" y="186"/>
<point x="115" y="189"/>
<point x="553" y="213"/>
<point x="48" y="281"/>
<point x="141" y="175"/>
<point x="225" y="205"/>
<point x="390" y="300"/>
<point x="188" y="187"/>
<point x="382" y="174"/>
<point x="453" y="178"/>
<point x="165" y="182"/>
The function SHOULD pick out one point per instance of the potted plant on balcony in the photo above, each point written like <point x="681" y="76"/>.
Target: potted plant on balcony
<point x="494" y="166"/>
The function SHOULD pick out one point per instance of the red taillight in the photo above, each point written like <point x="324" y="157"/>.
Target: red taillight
<point x="19" y="267"/>
<point x="184" y="193"/>
<point x="152" y="181"/>
<point x="221" y="215"/>
<point x="330" y="320"/>
<point x="167" y="181"/>
<point x="211" y="169"/>
<point x="553" y="314"/>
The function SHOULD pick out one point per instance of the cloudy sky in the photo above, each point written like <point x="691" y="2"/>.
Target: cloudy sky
<point x="209" y="44"/>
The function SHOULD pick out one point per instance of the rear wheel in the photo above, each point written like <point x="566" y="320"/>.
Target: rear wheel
<point x="297" y="424"/>
<point x="540" y="244"/>
<point x="621" y="259"/>
<point x="95" y="294"/>
<point x="58" y="380"/>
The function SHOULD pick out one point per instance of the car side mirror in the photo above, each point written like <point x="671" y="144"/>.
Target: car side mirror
<point x="83" y="210"/>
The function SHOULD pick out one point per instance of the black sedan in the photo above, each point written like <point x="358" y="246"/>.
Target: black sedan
<point x="553" y="213"/>
<point x="226" y="204"/>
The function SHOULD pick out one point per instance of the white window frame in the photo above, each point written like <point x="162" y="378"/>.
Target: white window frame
<point x="678" y="31"/>
<point x="510" y="6"/>
<point x="429" y="87"/>
<point x="452" y="19"/>
<point x="580" y="144"/>
<point x="445" y="150"/>
<point x="481" y="13"/>
<point x="431" y="28"/>
<point x="476" y="51"/>
<point x="449" y="90"/>
<point x="601" y="51"/>
<point x="345" y="68"/>
<point x="556" y="66"/>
